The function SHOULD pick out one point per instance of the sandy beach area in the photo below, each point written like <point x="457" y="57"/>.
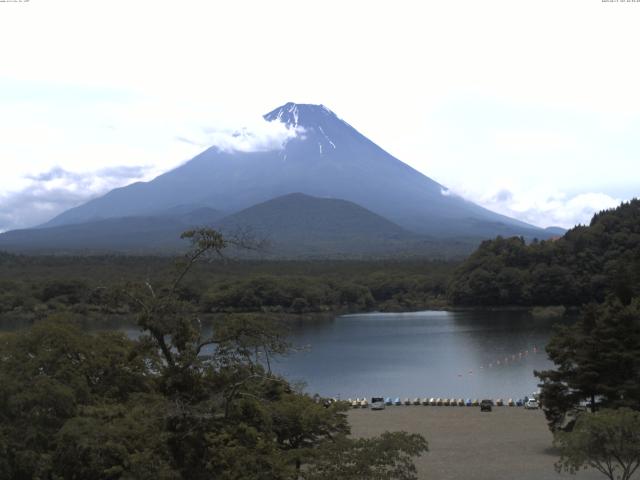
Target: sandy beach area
<point x="508" y="443"/>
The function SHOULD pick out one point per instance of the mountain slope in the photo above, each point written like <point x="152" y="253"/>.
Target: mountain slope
<point x="297" y="215"/>
<point x="146" y="234"/>
<point x="293" y="226"/>
<point x="298" y="224"/>
<point x="327" y="158"/>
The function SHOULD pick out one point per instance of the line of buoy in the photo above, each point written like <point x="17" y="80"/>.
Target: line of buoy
<point x="504" y="361"/>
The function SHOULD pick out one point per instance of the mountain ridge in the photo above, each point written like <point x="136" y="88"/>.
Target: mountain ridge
<point x="326" y="158"/>
<point x="294" y="225"/>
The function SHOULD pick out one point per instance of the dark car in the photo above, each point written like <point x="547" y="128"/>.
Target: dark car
<point x="486" y="405"/>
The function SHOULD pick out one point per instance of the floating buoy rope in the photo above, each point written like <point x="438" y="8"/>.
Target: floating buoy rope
<point x="507" y="360"/>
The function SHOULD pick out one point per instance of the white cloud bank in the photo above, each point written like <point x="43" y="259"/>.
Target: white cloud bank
<point x="50" y="193"/>
<point x="543" y="208"/>
<point x="255" y="136"/>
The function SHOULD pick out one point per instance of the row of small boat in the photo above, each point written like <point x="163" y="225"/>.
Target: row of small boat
<point x="436" y="402"/>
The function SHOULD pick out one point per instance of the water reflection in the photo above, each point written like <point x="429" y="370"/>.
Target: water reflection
<point x="452" y="354"/>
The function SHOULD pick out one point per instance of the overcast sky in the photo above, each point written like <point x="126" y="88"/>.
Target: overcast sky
<point x="530" y="108"/>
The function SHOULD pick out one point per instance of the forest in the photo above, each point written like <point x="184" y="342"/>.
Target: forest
<point x="585" y="265"/>
<point x="80" y="405"/>
<point x="34" y="287"/>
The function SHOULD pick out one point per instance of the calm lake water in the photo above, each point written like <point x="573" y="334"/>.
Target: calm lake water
<point x="432" y="353"/>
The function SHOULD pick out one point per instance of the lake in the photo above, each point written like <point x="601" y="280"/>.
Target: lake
<point x="433" y="353"/>
<point x="468" y="354"/>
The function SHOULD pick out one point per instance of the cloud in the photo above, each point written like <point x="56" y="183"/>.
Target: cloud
<point x="49" y="193"/>
<point x="544" y="208"/>
<point x="123" y="172"/>
<point x="55" y="172"/>
<point x="84" y="179"/>
<point x="258" y="136"/>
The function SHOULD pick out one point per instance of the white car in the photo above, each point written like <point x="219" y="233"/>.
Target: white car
<point x="531" y="404"/>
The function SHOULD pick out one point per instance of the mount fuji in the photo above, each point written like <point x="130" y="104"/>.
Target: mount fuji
<point x="325" y="158"/>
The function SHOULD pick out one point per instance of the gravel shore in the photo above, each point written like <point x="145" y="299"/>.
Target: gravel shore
<point x="508" y="443"/>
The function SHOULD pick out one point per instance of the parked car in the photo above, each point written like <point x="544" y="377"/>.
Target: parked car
<point x="531" y="404"/>
<point x="377" y="403"/>
<point x="486" y="405"/>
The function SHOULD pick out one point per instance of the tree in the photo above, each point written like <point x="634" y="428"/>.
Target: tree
<point x="389" y="456"/>
<point x="301" y="424"/>
<point x="597" y="360"/>
<point x="608" y="441"/>
<point x="49" y="375"/>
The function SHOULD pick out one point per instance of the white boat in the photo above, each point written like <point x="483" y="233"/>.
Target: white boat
<point x="432" y="402"/>
<point x="425" y="401"/>
<point x="364" y="403"/>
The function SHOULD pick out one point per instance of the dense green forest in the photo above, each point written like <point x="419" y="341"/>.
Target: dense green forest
<point x="76" y="405"/>
<point x="33" y="287"/>
<point x="585" y="265"/>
